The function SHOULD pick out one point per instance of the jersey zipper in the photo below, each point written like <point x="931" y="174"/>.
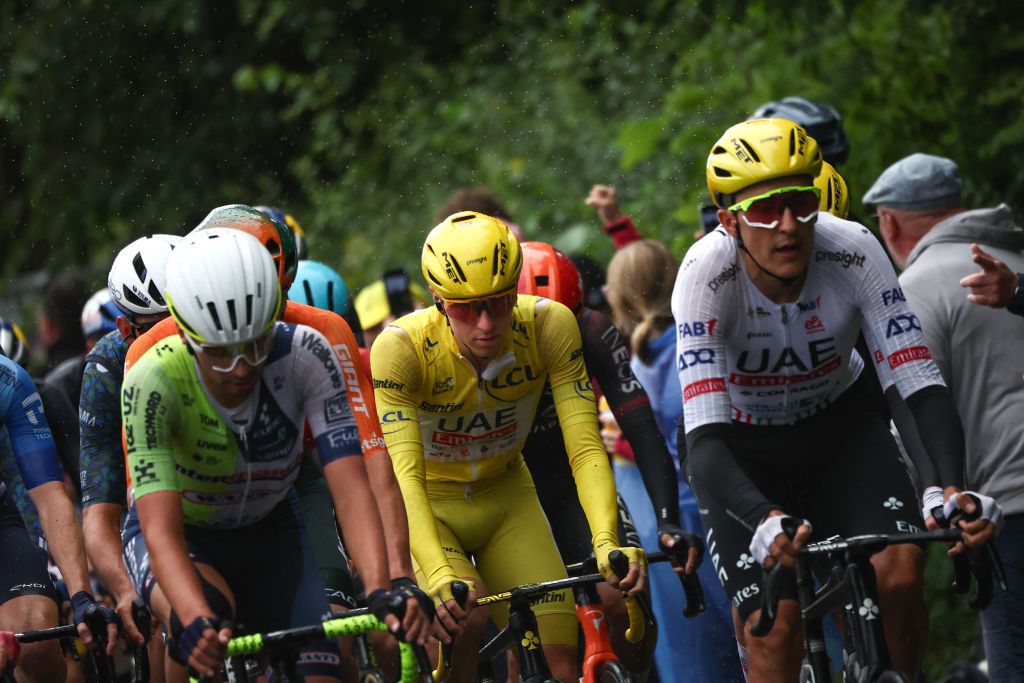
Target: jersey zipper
<point x="244" y="443"/>
<point x="787" y="340"/>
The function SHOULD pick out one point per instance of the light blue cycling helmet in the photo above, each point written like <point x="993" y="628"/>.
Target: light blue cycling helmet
<point x="320" y="286"/>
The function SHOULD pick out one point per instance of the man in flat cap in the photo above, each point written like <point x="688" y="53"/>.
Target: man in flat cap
<point x="933" y="239"/>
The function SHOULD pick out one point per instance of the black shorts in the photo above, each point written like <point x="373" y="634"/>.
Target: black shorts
<point x="839" y="469"/>
<point x="269" y="567"/>
<point x="22" y="563"/>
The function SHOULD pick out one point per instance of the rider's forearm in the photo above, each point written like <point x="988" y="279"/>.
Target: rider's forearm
<point x="654" y="462"/>
<point x="63" y="534"/>
<point x="392" y="514"/>
<point x="360" y="523"/>
<point x="163" y="525"/>
<point x="942" y="433"/>
<point x="100" y="524"/>
<point x="712" y="470"/>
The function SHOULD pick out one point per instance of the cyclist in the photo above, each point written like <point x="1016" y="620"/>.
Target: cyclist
<point x="457" y="386"/>
<point x="319" y="283"/>
<point x="28" y="599"/>
<point x="214" y="426"/>
<point x="778" y="416"/>
<point x="821" y="121"/>
<point x="315" y="498"/>
<point x="549" y="273"/>
<point x="135" y="284"/>
<point x="292" y="223"/>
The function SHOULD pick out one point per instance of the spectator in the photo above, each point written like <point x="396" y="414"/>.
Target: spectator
<point x="640" y="280"/>
<point x="59" y="332"/>
<point x="930" y="235"/>
<point x="996" y="285"/>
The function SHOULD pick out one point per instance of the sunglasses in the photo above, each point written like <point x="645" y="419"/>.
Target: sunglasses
<point x="226" y="358"/>
<point x="470" y="311"/>
<point x="765" y="210"/>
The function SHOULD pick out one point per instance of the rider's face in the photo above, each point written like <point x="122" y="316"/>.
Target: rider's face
<point x="784" y="250"/>
<point x="232" y="388"/>
<point x="483" y="328"/>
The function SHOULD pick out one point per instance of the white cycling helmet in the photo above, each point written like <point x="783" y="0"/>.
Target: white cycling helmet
<point x="99" y="315"/>
<point x="222" y="287"/>
<point x="139" y="275"/>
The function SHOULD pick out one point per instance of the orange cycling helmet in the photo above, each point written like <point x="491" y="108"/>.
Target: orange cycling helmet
<point x="271" y="233"/>
<point x="759" y="150"/>
<point x="549" y="273"/>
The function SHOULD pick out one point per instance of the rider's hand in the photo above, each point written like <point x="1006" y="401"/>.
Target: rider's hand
<point x="994" y="285"/>
<point x="129" y="629"/>
<point x="83" y="606"/>
<point x="602" y="198"/>
<point x="204" y="645"/>
<point x="987" y="512"/>
<point x="419" y="610"/>
<point x="931" y="499"/>
<point x="668" y="536"/>
<point x="635" y="579"/>
<point x="449" y="614"/>
<point x="10" y="648"/>
<point x="770" y="543"/>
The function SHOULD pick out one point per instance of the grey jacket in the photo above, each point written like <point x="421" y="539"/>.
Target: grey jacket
<point x="979" y="350"/>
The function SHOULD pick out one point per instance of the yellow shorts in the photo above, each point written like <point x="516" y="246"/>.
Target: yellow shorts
<point x="499" y="522"/>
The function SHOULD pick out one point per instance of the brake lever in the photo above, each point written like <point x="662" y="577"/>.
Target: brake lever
<point x="691" y="582"/>
<point x="143" y="619"/>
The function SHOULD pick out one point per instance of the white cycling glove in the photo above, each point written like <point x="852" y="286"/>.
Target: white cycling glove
<point x="988" y="508"/>
<point x="931" y="499"/>
<point x="764" y="536"/>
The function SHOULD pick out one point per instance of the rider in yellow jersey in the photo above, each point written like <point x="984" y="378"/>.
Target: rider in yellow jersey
<point x="457" y="387"/>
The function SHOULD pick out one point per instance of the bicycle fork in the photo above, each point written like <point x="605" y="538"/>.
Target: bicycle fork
<point x="596" y="639"/>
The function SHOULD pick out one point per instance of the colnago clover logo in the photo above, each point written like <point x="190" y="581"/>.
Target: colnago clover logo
<point x="868" y="610"/>
<point x="531" y="641"/>
<point x="745" y="562"/>
<point x="893" y="503"/>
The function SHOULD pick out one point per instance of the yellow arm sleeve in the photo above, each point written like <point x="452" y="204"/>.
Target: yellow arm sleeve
<point x="396" y="379"/>
<point x="560" y="344"/>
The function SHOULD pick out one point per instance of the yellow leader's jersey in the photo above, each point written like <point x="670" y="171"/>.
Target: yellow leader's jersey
<point x="445" y="422"/>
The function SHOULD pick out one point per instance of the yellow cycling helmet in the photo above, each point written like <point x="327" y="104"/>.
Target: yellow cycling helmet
<point x="470" y="255"/>
<point x="835" y="196"/>
<point x="759" y="150"/>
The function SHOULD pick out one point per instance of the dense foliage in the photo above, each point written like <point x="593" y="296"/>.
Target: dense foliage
<point x="361" y="118"/>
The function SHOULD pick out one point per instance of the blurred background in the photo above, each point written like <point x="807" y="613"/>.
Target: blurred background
<point x="360" y="118"/>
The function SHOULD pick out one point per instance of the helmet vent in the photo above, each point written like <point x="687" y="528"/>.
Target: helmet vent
<point x="213" y="314"/>
<point x="494" y="261"/>
<point x="273" y="247"/>
<point x="792" y="141"/>
<point x="458" y="268"/>
<point x="722" y="173"/>
<point x="464" y="217"/>
<point x="140" y="267"/>
<point x="434" y="279"/>
<point x="309" y="292"/>
<point x="540" y="280"/>
<point x="154" y="292"/>
<point x="233" y="314"/>
<point x="133" y="298"/>
<point x="330" y="296"/>
<point x="248" y="309"/>
<point x="750" y="151"/>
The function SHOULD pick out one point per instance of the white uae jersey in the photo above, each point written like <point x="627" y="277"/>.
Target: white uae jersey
<point x="742" y="357"/>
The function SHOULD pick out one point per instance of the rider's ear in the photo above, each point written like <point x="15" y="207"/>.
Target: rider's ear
<point x="728" y="220"/>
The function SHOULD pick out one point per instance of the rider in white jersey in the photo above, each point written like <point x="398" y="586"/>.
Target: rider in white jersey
<point x="779" y="416"/>
<point x="744" y="357"/>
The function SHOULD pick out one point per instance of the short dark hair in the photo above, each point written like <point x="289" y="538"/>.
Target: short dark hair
<point x="479" y="199"/>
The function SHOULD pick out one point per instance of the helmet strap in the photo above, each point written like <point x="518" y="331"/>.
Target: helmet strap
<point x="786" y="281"/>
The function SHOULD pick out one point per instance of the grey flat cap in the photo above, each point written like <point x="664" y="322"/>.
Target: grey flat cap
<point x="919" y="182"/>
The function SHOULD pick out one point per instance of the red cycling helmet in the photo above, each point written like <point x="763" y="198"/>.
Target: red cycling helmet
<point x="549" y="273"/>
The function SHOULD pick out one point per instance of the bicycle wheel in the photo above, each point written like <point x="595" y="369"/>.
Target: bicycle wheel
<point x="614" y="672"/>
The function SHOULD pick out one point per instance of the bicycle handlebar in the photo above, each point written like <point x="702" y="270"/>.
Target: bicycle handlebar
<point x="981" y="563"/>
